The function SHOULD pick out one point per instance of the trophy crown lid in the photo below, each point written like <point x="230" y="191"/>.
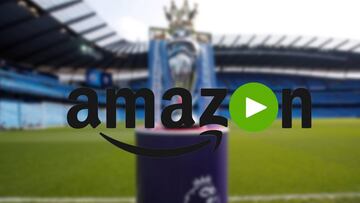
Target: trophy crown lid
<point x="181" y="18"/>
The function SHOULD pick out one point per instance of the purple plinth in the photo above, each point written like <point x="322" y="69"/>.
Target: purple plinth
<point x="197" y="177"/>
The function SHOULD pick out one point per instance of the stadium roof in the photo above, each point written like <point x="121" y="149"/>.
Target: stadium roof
<point x="54" y="33"/>
<point x="69" y="35"/>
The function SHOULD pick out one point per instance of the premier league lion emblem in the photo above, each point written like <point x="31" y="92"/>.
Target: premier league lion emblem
<point x="203" y="191"/>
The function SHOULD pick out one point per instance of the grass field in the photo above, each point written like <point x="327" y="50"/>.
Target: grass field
<point x="78" y="163"/>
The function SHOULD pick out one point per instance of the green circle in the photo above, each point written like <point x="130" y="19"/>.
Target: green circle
<point x="260" y="94"/>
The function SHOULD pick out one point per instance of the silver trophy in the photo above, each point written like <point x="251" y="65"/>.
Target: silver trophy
<point x="183" y="50"/>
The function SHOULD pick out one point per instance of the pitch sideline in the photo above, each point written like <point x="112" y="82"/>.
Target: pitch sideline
<point x="234" y="199"/>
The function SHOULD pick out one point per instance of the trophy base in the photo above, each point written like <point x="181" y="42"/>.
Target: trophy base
<point x="179" y="179"/>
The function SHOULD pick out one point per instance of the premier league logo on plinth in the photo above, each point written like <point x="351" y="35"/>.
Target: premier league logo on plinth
<point x="180" y="57"/>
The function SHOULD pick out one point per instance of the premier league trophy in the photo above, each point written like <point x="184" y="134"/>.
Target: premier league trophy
<point x="181" y="57"/>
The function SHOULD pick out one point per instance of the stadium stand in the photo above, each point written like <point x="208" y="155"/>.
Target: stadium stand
<point x="31" y="100"/>
<point x="331" y="97"/>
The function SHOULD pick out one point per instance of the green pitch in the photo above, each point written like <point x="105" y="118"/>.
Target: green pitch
<point x="76" y="163"/>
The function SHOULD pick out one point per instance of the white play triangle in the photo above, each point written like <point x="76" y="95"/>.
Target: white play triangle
<point x="253" y="107"/>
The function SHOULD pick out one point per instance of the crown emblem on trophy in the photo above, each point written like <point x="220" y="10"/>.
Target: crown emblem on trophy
<point x="181" y="18"/>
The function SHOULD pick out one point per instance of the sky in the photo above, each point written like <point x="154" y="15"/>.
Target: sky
<point x="321" y="18"/>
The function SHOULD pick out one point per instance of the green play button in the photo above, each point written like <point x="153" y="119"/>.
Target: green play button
<point x="253" y="107"/>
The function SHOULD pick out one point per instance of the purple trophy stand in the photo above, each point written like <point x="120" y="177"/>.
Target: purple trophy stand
<point x="197" y="177"/>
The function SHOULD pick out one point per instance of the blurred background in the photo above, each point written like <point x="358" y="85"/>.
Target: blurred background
<point x="50" y="47"/>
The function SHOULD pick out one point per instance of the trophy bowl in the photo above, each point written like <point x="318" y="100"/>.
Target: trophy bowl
<point x="182" y="64"/>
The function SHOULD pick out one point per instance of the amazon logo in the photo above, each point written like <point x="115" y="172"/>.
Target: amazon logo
<point x="207" y="120"/>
